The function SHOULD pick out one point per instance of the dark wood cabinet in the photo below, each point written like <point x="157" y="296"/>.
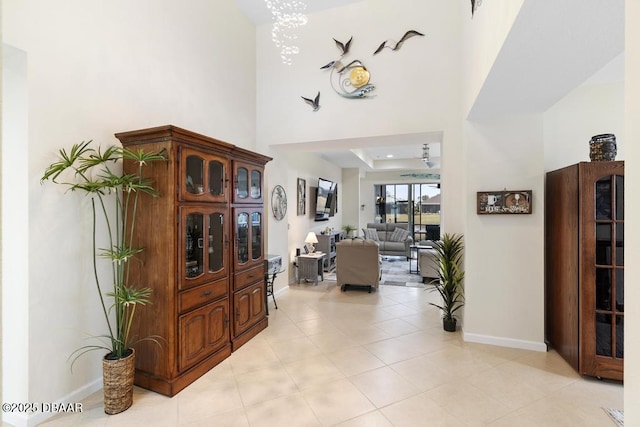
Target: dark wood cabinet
<point x="202" y="332"/>
<point x="249" y="307"/>
<point x="190" y="258"/>
<point x="584" y="266"/>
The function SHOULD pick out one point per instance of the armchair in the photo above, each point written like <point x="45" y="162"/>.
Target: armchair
<point x="427" y="262"/>
<point x="358" y="263"/>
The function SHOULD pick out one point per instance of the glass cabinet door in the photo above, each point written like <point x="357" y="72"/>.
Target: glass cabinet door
<point x="609" y="266"/>
<point x="194" y="174"/>
<point x="216" y="178"/>
<point x="203" y="177"/>
<point x="256" y="234"/>
<point x="242" y="183"/>
<point x="248" y="183"/>
<point x="248" y="230"/>
<point x="242" y="238"/>
<point x="256" y="184"/>
<point x="204" y="243"/>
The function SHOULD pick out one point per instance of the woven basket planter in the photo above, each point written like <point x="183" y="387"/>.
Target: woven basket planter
<point x="117" y="380"/>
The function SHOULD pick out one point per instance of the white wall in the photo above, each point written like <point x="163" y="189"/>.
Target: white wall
<point x="95" y="69"/>
<point x="15" y="225"/>
<point x="504" y="265"/>
<point x="632" y="208"/>
<point x="350" y="191"/>
<point x="572" y="121"/>
<point x="484" y="36"/>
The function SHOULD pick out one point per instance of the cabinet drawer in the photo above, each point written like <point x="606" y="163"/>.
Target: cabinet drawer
<point x="246" y="278"/>
<point x="201" y="295"/>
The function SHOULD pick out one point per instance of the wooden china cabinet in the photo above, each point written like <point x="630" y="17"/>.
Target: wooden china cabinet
<point x="249" y="291"/>
<point x="202" y="258"/>
<point x="584" y="261"/>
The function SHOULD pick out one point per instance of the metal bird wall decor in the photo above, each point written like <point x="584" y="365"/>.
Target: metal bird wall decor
<point x="344" y="47"/>
<point x="315" y="103"/>
<point x="474" y="5"/>
<point x="398" y="45"/>
<point x="350" y="80"/>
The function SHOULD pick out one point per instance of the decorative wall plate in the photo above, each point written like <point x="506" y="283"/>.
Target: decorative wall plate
<point x="278" y="202"/>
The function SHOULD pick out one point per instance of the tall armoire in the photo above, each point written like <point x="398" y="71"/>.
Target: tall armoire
<point x="584" y="266"/>
<point x="203" y="255"/>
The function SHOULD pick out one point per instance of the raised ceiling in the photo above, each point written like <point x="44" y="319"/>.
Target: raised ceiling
<point x="380" y="153"/>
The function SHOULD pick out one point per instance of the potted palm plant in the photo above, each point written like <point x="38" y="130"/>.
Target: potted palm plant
<point x="96" y="173"/>
<point x="449" y="284"/>
<point x="348" y="230"/>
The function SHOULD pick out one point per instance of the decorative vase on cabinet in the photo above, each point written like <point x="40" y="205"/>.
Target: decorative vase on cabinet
<point x="188" y="257"/>
<point x="584" y="261"/>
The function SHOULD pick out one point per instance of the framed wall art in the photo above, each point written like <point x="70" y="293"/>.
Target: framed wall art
<point x="504" y="202"/>
<point x="279" y="202"/>
<point x="302" y="196"/>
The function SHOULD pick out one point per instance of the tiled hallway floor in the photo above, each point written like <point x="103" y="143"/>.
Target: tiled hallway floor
<point x="358" y="359"/>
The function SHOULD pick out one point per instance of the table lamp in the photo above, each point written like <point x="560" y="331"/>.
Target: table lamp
<point x="310" y="240"/>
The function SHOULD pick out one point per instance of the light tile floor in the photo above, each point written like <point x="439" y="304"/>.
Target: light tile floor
<point x="358" y="359"/>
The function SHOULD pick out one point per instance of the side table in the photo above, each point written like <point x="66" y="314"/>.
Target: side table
<point x="269" y="280"/>
<point x="310" y="266"/>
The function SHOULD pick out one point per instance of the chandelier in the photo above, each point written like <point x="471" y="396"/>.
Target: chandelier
<point x="287" y="16"/>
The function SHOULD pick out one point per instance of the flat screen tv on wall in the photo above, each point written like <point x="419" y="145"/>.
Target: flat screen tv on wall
<point x="324" y="199"/>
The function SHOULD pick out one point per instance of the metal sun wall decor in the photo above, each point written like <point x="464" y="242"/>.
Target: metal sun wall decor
<point x="353" y="80"/>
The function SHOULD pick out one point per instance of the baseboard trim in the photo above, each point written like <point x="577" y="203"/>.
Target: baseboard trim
<point x="504" y="342"/>
<point x="32" y="420"/>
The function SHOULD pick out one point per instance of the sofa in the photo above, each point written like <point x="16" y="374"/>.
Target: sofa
<point x="391" y="242"/>
<point x="427" y="262"/>
<point x="358" y="264"/>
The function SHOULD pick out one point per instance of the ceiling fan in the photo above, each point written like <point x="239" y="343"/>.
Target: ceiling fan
<point x="426" y="159"/>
